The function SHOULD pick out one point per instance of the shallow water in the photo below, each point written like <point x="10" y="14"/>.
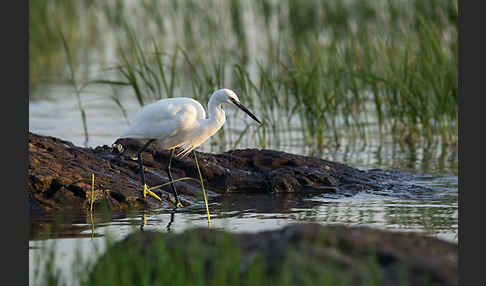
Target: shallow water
<point x="435" y="214"/>
<point x="435" y="217"/>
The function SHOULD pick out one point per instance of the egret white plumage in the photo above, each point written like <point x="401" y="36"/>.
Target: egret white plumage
<point x="180" y="122"/>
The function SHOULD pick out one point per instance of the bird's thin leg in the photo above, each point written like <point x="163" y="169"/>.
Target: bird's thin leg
<point x="139" y="156"/>
<point x="142" y="174"/>
<point x="202" y="186"/>
<point x="174" y="191"/>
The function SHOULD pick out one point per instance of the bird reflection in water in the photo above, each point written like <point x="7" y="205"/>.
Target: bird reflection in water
<point x="171" y="221"/>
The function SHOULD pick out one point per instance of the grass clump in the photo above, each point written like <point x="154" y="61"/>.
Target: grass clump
<point x="155" y="259"/>
<point x="295" y="255"/>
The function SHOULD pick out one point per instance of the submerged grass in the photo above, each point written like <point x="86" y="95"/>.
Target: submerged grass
<point x="311" y="68"/>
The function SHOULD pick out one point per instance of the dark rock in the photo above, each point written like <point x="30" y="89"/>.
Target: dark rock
<point x="60" y="175"/>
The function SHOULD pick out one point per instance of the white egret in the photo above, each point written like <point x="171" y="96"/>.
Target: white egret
<point x="180" y="123"/>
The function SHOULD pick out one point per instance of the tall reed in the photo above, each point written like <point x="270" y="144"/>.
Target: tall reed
<point x="313" y="69"/>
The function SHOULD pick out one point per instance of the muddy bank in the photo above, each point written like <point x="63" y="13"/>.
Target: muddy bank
<point x="59" y="175"/>
<point x="302" y="252"/>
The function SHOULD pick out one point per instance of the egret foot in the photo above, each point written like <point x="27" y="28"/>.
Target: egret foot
<point x="176" y="201"/>
<point x="146" y="191"/>
<point x="178" y="204"/>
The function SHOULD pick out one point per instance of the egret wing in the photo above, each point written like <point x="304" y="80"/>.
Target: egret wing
<point x="168" y="120"/>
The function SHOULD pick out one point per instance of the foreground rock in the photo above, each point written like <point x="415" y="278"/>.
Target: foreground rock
<point x="59" y="175"/>
<point x="297" y="254"/>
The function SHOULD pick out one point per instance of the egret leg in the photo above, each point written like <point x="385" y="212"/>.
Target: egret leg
<point x="174" y="191"/>
<point x="142" y="174"/>
<point x="202" y="186"/>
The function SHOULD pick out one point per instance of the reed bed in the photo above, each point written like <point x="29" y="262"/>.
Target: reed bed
<point x="311" y="68"/>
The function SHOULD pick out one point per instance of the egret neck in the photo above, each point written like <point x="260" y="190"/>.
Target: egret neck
<point x="216" y="116"/>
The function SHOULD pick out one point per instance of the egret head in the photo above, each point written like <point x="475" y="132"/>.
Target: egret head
<point x="228" y="96"/>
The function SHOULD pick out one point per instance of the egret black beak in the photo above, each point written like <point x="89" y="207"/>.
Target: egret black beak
<point x="245" y="110"/>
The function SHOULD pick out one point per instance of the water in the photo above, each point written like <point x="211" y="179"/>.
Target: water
<point x="433" y="215"/>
